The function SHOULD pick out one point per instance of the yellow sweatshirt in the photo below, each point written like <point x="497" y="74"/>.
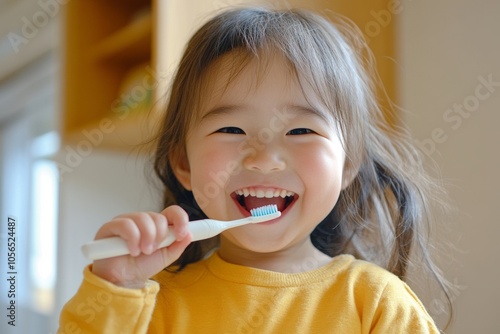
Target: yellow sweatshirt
<point x="213" y="296"/>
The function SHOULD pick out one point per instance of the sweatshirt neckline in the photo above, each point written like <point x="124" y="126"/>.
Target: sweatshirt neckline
<point x="260" y="277"/>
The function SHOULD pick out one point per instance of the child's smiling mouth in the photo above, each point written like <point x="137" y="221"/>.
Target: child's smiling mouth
<point x="250" y="198"/>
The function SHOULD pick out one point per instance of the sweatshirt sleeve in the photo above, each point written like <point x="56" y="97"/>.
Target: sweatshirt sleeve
<point x="398" y="310"/>
<point x="102" y="307"/>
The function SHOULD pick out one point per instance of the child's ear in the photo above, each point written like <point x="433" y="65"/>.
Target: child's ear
<point x="181" y="169"/>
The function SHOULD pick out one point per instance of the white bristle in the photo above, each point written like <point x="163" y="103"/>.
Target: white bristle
<point x="264" y="210"/>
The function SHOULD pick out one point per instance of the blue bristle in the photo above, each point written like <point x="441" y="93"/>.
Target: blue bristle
<point x="264" y="210"/>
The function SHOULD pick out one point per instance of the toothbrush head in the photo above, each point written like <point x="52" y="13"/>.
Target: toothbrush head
<point x="264" y="210"/>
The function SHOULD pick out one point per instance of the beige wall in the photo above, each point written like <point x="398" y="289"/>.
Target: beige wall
<point x="448" y="50"/>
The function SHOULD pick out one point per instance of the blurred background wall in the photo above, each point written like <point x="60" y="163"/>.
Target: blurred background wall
<point x="449" y="75"/>
<point x="64" y="176"/>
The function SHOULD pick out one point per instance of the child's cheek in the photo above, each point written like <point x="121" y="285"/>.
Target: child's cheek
<point x="321" y="169"/>
<point x="211" y="168"/>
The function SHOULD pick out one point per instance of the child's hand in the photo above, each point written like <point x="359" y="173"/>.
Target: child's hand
<point x="143" y="232"/>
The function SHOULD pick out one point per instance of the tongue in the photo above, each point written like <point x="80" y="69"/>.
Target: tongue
<point x="254" y="202"/>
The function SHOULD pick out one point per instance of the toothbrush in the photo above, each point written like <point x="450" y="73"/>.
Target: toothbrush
<point x="200" y="229"/>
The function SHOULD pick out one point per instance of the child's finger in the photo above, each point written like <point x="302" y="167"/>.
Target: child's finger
<point x="174" y="251"/>
<point x="178" y="220"/>
<point x="147" y="225"/>
<point x="125" y="228"/>
<point x="161" y="226"/>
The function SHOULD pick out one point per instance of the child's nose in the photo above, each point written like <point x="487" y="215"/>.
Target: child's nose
<point x="265" y="160"/>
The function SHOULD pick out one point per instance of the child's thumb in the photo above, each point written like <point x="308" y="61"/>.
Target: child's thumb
<point x="171" y="253"/>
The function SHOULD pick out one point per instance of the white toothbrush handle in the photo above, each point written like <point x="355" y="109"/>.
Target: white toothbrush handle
<point x="109" y="247"/>
<point x="116" y="246"/>
<point x="200" y="229"/>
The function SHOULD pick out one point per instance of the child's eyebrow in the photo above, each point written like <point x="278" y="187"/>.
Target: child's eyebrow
<point x="308" y="110"/>
<point x="294" y="109"/>
<point x="220" y="110"/>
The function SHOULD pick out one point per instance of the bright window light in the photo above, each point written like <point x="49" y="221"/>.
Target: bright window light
<point x="44" y="222"/>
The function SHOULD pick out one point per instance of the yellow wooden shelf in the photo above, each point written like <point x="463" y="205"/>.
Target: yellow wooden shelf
<point x="130" y="44"/>
<point x="104" y="42"/>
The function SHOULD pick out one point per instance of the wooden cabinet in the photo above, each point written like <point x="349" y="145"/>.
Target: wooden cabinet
<point x="120" y="56"/>
<point x="107" y="60"/>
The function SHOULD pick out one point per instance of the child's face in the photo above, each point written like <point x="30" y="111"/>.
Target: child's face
<point x="260" y="135"/>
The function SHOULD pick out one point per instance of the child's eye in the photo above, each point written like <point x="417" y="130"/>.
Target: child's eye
<point x="231" y="130"/>
<point x="300" y="131"/>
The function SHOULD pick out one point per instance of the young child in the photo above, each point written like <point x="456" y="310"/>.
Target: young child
<point x="270" y="107"/>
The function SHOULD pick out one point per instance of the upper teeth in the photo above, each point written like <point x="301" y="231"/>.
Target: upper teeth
<point x="264" y="193"/>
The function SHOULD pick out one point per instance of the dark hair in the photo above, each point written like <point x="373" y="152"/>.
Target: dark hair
<point x="382" y="214"/>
